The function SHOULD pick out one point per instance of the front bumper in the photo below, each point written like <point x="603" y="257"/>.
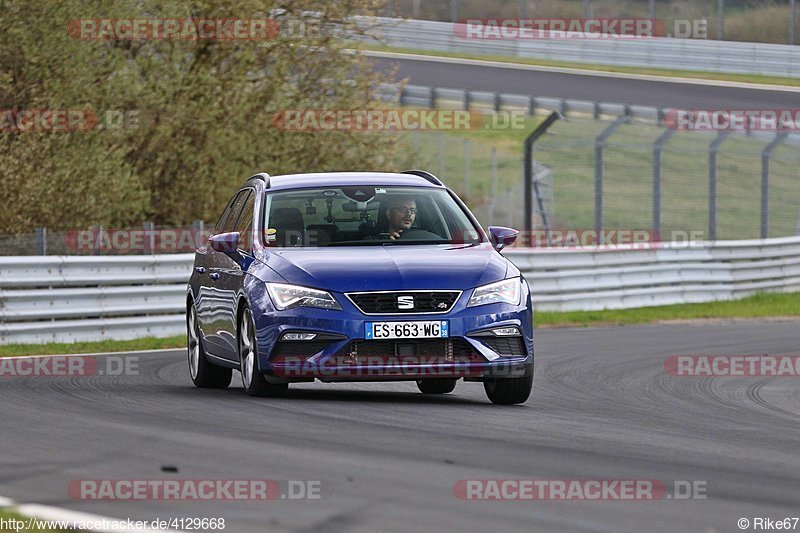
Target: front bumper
<point x="341" y="355"/>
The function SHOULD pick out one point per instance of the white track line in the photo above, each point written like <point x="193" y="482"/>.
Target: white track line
<point x="56" y="514"/>
<point x="98" y="354"/>
<point x="580" y="72"/>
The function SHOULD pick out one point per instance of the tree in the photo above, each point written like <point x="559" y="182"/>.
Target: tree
<point x="181" y="121"/>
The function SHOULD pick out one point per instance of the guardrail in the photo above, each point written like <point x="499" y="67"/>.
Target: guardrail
<point x="77" y="298"/>
<point x="656" y="52"/>
<point x="64" y="299"/>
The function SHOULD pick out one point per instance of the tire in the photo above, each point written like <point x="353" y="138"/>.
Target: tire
<point x="509" y="391"/>
<point x="204" y="374"/>
<point x="436" y="386"/>
<point x="252" y="379"/>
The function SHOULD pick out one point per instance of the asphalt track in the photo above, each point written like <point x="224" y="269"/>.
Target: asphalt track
<point x="609" y="88"/>
<point x="388" y="457"/>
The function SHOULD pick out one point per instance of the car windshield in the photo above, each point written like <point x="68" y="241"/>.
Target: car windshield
<point x="365" y="216"/>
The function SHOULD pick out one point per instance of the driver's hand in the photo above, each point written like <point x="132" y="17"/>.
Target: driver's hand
<point x="395" y="235"/>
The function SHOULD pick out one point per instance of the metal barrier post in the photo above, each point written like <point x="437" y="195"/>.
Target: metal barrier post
<point x="528" y="171"/>
<point x="599" y="145"/>
<point x="466" y="167"/>
<point x="41" y="241"/>
<point x="658" y="147"/>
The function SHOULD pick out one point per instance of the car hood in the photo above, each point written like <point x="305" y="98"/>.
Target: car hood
<point x="394" y="267"/>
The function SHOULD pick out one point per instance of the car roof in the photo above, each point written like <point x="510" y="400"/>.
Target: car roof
<point x="331" y="179"/>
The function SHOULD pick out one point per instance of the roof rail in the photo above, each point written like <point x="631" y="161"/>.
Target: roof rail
<point x="425" y="174"/>
<point x="261" y="176"/>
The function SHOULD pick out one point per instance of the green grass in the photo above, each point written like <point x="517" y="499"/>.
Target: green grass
<point x="670" y="73"/>
<point x="5" y="514"/>
<point x="759" y="306"/>
<point x="149" y="343"/>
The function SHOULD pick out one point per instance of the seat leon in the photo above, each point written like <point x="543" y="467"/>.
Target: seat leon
<point x="360" y="276"/>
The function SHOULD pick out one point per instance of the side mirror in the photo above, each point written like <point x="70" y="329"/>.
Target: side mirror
<point x="501" y="237"/>
<point x="226" y="243"/>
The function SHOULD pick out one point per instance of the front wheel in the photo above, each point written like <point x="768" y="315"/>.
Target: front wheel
<point x="508" y="391"/>
<point x="252" y="379"/>
<point x="436" y="386"/>
<point x="204" y="375"/>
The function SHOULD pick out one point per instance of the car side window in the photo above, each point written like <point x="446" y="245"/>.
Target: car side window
<point x="235" y="211"/>
<point x="245" y="224"/>
<point x="224" y="216"/>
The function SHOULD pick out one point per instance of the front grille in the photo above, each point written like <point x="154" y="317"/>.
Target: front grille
<point x="297" y="349"/>
<point x="505" y="345"/>
<point x="447" y="350"/>
<point x="386" y="303"/>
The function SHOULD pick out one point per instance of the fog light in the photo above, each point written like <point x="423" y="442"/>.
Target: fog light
<point x="506" y="332"/>
<point x="298" y="336"/>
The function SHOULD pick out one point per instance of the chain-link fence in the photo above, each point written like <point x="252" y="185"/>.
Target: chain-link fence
<point x="692" y="182"/>
<point x="145" y="239"/>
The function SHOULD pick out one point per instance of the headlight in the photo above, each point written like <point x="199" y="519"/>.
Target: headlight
<point x="291" y="296"/>
<point x="506" y="291"/>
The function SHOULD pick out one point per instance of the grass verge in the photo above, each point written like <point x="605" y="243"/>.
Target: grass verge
<point x="759" y="306"/>
<point x="667" y="73"/>
<point x="148" y="343"/>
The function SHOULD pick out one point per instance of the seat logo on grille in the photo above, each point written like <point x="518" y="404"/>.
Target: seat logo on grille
<point x="405" y="302"/>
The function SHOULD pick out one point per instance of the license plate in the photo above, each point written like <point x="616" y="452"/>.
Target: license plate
<point x="407" y="330"/>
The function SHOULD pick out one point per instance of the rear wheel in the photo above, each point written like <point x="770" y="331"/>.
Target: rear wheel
<point x="203" y="374"/>
<point x="508" y="391"/>
<point x="252" y="379"/>
<point x="436" y="386"/>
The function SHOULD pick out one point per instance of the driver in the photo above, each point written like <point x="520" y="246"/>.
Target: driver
<point x="401" y="213"/>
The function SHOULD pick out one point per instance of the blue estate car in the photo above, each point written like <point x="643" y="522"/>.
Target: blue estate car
<point x="357" y="277"/>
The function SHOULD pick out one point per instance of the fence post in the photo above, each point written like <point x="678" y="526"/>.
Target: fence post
<point x="509" y="199"/>
<point x="651" y="10"/>
<point x="466" y="167"/>
<point x="712" y="184"/>
<point x="149" y="238"/>
<point x="41" y="241"/>
<point x="453" y="10"/>
<point x="792" y="21"/>
<point x="494" y="186"/>
<point x="765" y="155"/>
<point x="721" y="20"/>
<point x="527" y="163"/>
<point x="441" y="154"/>
<point x="658" y="147"/>
<point x="199" y="228"/>
<point x="599" y="145"/>
<point x="523" y="7"/>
